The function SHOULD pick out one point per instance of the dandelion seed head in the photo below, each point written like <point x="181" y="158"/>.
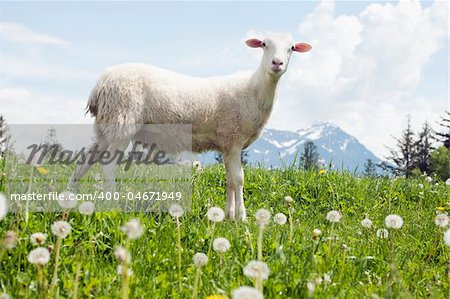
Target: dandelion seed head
<point x="288" y="199"/>
<point x="122" y="255"/>
<point x="200" y="259"/>
<point x="316" y="233"/>
<point x="38" y="239"/>
<point x="280" y="219"/>
<point x="133" y="229"/>
<point x="221" y="245"/>
<point x="247" y="293"/>
<point x="61" y="229"/>
<point x="447" y="182"/>
<point x="175" y="210"/>
<point x="87" y="208"/>
<point x="262" y="217"/>
<point x="215" y="214"/>
<point x="39" y="256"/>
<point x="197" y="165"/>
<point x="420" y="185"/>
<point x="367" y="223"/>
<point x="4" y="296"/>
<point x="327" y="278"/>
<point x="393" y="221"/>
<point x="428" y="179"/>
<point x="10" y="240"/>
<point x="334" y="216"/>
<point x="255" y="269"/>
<point x="441" y="220"/>
<point x="67" y="200"/>
<point x="382" y="233"/>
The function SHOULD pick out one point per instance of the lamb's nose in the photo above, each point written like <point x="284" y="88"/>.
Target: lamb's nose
<point x="277" y="62"/>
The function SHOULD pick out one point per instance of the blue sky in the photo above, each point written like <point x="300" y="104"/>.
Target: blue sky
<point x="372" y="63"/>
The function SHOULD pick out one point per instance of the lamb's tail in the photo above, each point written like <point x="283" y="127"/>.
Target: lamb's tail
<point x="92" y="104"/>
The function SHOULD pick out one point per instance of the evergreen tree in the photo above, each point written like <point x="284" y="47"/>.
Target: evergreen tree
<point x="440" y="162"/>
<point x="310" y="156"/>
<point x="370" y="168"/>
<point x="423" y="148"/>
<point x="403" y="157"/>
<point x="244" y="157"/>
<point x="3" y="135"/>
<point x="444" y="135"/>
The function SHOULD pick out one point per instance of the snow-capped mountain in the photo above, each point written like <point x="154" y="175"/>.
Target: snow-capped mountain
<point x="275" y="147"/>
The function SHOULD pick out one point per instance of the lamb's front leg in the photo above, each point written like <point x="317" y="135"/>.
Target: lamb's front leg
<point x="235" y="182"/>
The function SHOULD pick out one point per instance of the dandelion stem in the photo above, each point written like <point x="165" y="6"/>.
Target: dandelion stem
<point x="41" y="284"/>
<point x="77" y="278"/>
<point x="212" y="239"/>
<point x="125" y="276"/>
<point x="291" y="225"/>
<point x="27" y="203"/>
<point x="260" y="242"/>
<point x="55" y="271"/>
<point x="197" y="280"/>
<point x="179" y="252"/>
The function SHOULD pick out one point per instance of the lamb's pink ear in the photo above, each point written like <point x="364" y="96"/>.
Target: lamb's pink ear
<point x="302" y="47"/>
<point x="254" y="43"/>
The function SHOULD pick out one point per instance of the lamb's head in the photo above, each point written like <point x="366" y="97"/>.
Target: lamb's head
<point x="277" y="51"/>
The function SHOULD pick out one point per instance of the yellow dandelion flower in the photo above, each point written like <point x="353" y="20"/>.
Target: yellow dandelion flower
<point x="441" y="209"/>
<point x="42" y="170"/>
<point x="322" y="171"/>
<point x="218" y="296"/>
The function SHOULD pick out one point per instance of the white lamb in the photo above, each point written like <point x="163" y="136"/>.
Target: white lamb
<point x="227" y="113"/>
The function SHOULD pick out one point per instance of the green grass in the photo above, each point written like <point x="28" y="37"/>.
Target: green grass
<point x="420" y="258"/>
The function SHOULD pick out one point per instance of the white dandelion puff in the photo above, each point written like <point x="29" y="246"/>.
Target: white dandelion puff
<point x="221" y="245"/>
<point x="133" y="229"/>
<point x="197" y="165"/>
<point x="447" y="182"/>
<point x="311" y="286"/>
<point x="176" y="210"/>
<point x="288" y="199"/>
<point x="334" y="216"/>
<point x="280" y="219"/>
<point x="200" y="259"/>
<point x="87" y="208"/>
<point x="382" y="233"/>
<point x="39" y="256"/>
<point x="247" y="293"/>
<point x="428" y="179"/>
<point x="215" y="214"/>
<point x="393" y="221"/>
<point x="316" y="233"/>
<point x="122" y="255"/>
<point x="38" y="239"/>
<point x="441" y="220"/>
<point x="327" y="278"/>
<point x="67" y="200"/>
<point x="367" y="223"/>
<point x="262" y="217"/>
<point x="257" y="269"/>
<point x="10" y="240"/>
<point x="4" y="296"/>
<point x="61" y="229"/>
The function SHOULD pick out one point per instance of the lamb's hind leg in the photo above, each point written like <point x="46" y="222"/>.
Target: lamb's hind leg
<point x="235" y="182"/>
<point x="116" y="151"/>
<point x="83" y="166"/>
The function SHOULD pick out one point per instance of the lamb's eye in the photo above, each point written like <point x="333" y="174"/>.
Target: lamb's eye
<point x="263" y="45"/>
<point x="292" y="48"/>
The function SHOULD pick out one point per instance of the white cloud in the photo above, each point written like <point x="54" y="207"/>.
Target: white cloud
<point x="19" y="33"/>
<point x="364" y="70"/>
<point x="29" y="67"/>
<point x="23" y="106"/>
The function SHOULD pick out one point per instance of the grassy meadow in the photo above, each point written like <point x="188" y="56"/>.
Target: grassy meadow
<point x="345" y="260"/>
